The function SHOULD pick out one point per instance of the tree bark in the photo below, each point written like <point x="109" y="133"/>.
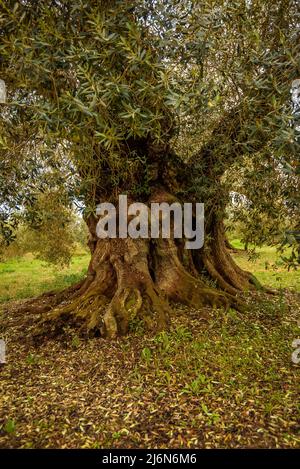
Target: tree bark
<point x="135" y="281"/>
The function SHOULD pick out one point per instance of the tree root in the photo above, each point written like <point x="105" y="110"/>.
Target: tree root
<point x="121" y="292"/>
<point x="131" y="281"/>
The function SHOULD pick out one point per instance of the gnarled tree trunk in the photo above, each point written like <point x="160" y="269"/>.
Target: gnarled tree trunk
<point x="136" y="280"/>
<point x="133" y="281"/>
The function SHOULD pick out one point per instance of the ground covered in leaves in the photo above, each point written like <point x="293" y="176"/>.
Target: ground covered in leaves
<point x="226" y="381"/>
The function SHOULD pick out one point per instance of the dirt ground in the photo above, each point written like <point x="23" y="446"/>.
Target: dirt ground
<point x="226" y="381"/>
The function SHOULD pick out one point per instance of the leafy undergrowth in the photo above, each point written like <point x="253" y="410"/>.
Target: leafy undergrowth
<point x="226" y="381"/>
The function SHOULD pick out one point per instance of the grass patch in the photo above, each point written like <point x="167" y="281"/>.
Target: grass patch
<point x="267" y="266"/>
<point x="28" y="277"/>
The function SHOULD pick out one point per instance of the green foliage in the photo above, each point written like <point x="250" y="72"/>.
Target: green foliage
<point x="10" y="426"/>
<point x="146" y="355"/>
<point x="32" y="359"/>
<point x="75" y="342"/>
<point x="212" y="417"/>
<point x="101" y="94"/>
<point x="197" y="386"/>
<point x="265" y="211"/>
<point x="54" y="234"/>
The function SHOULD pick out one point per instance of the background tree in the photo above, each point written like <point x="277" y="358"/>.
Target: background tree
<point x="159" y="100"/>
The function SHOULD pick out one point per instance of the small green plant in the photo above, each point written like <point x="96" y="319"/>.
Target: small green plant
<point x="75" y="341"/>
<point x="268" y="408"/>
<point x="196" y="386"/>
<point x="136" y="326"/>
<point x="28" y="445"/>
<point x="168" y="377"/>
<point x="29" y="400"/>
<point x="32" y="359"/>
<point x="96" y="445"/>
<point x="212" y="417"/>
<point x="199" y="346"/>
<point x="10" y="426"/>
<point x="182" y="334"/>
<point x="120" y="433"/>
<point x="146" y="355"/>
<point x="163" y="341"/>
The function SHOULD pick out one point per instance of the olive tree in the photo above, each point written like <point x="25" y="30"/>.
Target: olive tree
<point x="160" y="100"/>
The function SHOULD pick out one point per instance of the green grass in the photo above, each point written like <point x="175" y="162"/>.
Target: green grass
<point x="28" y="277"/>
<point x="225" y="382"/>
<point x="268" y="267"/>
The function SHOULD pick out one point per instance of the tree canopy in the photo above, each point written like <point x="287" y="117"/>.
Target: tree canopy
<point x="86" y="80"/>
